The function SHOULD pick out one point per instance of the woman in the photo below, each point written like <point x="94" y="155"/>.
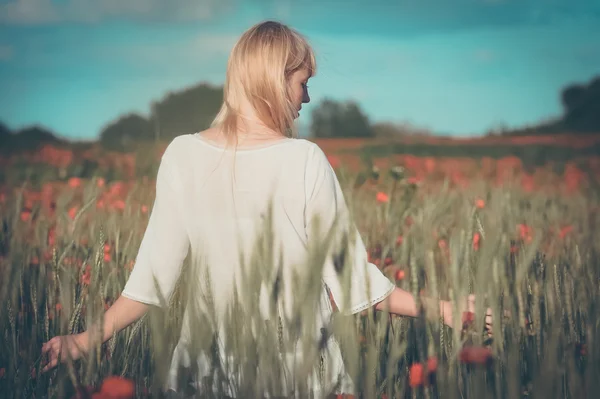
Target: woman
<point x="212" y="200"/>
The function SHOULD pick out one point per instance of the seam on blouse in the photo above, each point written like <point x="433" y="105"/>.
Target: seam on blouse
<point x="367" y="304"/>
<point x="140" y="299"/>
<point x="323" y="173"/>
<point x="175" y="185"/>
<point x="311" y="155"/>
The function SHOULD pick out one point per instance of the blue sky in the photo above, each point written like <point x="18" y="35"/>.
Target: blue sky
<point x="455" y="67"/>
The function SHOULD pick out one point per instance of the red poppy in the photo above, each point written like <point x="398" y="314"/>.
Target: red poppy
<point x="52" y="236"/>
<point x="565" y="230"/>
<point x="432" y="364"/>
<point x="334" y="161"/>
<point x="118" y="388"/>
<point x="25" y="215"/>
<point x="476" y="241"/>
<point x="86" y="278"/>
<point x="399" y="240"/>
<point x="118" y="204"/>
<point x="416" y="375"/>
<point x="74" y="182"/>
<point x="73" y="212"/>
<point x="399" y="275"/>
<point x="382" y="197"/>
<point x="475" y="355"/>
<point x="525" y="232"/>
<point x="417" y="372"/>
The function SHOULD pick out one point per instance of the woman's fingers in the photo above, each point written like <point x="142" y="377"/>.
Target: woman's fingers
<point x="50" y="365"/>
<point x="51" y="349"/>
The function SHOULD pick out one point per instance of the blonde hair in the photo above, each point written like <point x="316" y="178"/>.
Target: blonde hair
<point x="258" y="69"/>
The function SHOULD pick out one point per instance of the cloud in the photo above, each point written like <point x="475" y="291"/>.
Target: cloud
<point x="193" y="50"/>
<point x="6" y="52"/>
<point x="29" y="12"/>
<point x="37" y="12"/>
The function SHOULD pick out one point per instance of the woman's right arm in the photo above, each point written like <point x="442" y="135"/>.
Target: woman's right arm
<point x="120" y="315"/>
<point x="157" y="267"/>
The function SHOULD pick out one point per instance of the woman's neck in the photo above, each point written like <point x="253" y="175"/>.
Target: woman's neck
<point x="252" y="129"/>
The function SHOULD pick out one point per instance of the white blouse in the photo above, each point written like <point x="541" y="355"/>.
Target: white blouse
<point x="215" y="203"/>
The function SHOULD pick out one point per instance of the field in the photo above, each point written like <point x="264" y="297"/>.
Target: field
<point x="517" y="232"/>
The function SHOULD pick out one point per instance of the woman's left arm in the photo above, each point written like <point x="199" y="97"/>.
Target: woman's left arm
<point x="403" y="303"/>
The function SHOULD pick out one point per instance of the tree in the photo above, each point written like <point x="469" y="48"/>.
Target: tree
<point x="33" y="137"/>
<point x="187" y="111"/>
<point x="5" y="136"/>
<point x="126" y="132"/>
<point x="582" y="107"/>
<point x="332" y="119"/>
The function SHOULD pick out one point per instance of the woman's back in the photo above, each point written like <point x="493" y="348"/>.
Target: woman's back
<point x="218" y="204"/>
<point x="262" y="217"/>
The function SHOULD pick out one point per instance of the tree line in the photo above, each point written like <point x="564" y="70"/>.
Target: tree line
<point x="193" y="109"/>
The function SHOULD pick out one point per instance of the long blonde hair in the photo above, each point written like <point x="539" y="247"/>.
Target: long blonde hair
<point x="258" y="69"/>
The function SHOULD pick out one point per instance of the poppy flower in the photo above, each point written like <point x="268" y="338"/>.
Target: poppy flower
<point x="118" y="204"/>
<point x="417" y="372"/>
<point x="382" y="197"/>
<point x="525" y="232"/>
<point x="118" y="388"/>
<point x="416" y="375"/>
<point x="25" y="215"/>
<point x="334" y="161"/>
<point x="476" y="241"/>
<point x="399" y="240"/>
<point x="399" y="275"/>
<point x="74" y="182"/>
<point x="86" y="278"/>
<point x="565" y="230"/>
<point x="475" y="355"/>
<point x="73" y="212"/>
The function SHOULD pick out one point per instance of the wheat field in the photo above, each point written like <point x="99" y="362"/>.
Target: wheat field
<point x="67" y="248"/>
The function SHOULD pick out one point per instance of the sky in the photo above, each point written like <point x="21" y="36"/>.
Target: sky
<point x="455" y="67"/>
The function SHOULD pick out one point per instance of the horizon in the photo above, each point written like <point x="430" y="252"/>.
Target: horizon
<point x="73" y="66"/>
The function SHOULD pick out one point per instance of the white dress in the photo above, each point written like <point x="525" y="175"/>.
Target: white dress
<point x="203" y="207"/>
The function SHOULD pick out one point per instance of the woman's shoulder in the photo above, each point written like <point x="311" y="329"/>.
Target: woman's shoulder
<point x="187" y="145"/>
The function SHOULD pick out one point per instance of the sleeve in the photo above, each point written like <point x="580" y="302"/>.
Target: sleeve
<point x="165" y="243"/>
<point x="327" y="215"/>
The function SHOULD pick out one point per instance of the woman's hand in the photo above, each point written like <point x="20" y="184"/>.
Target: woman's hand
<point x="64" y="347"/>
<point x="466" y="305"/>
<point x="121" y="314"/>
<point x="402" y="303"/>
